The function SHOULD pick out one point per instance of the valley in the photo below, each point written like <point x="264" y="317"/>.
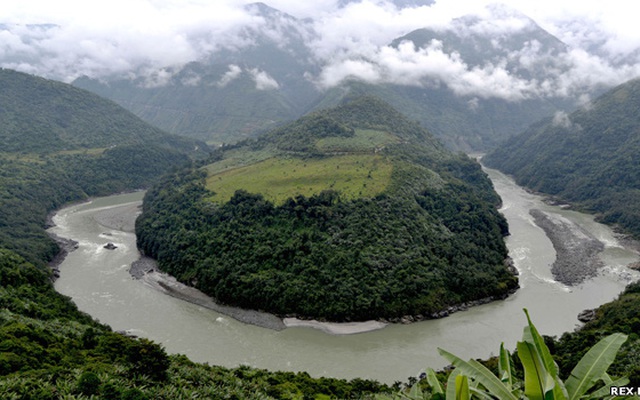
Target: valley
<point x="251" y="201"/>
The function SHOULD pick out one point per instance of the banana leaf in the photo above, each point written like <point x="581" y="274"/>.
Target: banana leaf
<point x="462" y="388"/>
<point x="504" y="367"/>
<point x="593" y="366"/>
<point x="537" y="380"/>
<point x="481" y="374"/>
<point x="432" y="380"/>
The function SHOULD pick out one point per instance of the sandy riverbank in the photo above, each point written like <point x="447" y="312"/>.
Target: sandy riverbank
<point x="145" y="269"/>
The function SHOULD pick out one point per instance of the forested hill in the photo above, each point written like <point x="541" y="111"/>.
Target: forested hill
<point x="43" y="116"/>
<point x="60" y="144"/>
<point x="590" y="157"/>
<point x="346" y="214"/>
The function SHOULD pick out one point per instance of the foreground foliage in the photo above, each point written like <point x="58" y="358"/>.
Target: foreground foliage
<point x="50" y="350"/>
<point x="542" y="381"/>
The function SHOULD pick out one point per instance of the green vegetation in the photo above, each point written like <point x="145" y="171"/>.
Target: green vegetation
<point x="589" y="158"/>
<point x="621" y="315"/>
<point x="279" y="179"/>
<point x="50" y="350"/>
<point x="542" y="380"/>
<point x="400" y="227"/>
<point x="364" y="140"/>
<point x="61" y="144"/>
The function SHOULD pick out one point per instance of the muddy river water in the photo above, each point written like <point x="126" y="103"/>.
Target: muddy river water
<point x="98" y="281"/>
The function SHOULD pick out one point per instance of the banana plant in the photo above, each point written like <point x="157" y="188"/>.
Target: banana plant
<point x="471" y="379"/>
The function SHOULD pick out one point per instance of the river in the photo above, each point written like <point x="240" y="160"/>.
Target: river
<point x="98" y="281"/>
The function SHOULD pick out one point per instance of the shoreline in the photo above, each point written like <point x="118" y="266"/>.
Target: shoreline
<point x="122" y="217"/>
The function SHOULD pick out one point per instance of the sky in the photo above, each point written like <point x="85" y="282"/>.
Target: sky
<point x="131" y="37"/>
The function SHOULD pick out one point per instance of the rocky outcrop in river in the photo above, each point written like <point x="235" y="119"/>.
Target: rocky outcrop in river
<point x="576" y="249"/>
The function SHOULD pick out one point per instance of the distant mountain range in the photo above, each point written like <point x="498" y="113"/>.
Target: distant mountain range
<point x="589" y="157"/>
<point x="240" y="91"/>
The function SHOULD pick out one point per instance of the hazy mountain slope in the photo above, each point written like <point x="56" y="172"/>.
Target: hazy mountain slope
<point x="461" y="123"/>
<point x="346" y="214"/>
<point x="238" y="91"/>
<point x="232" y="93"/>
<point x="589" y="157"/>
<point x="40" y="115"/>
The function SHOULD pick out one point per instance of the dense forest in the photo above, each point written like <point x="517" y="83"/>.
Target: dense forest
<point x="589" y="158"/>
<point x="427" y="238"/>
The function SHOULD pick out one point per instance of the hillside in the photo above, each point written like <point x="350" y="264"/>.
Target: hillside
<point x="588" y="158"/>
<point x="351" y="213"/>
<point x="60" y="144"/>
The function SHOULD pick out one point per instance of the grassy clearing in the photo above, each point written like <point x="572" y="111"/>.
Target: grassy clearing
<point x="364" y="140"/>
<point x="239" y="158"/>
<point x="279" y="178"/>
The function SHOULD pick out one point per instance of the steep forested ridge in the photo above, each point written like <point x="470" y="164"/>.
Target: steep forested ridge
<point x="590" y="157"/>
<point x="60" y="144"/>
<point x="425" y="237"/>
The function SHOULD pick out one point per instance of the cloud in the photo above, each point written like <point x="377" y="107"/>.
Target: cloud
<point x="562" y="119"/>
<point x="153" y="39"/>
<point x="232" y="74"/>
<point x="263" y="80"/>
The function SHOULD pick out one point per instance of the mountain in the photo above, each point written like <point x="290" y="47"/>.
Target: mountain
<point x="474" y="122"/>
<point x="236" y="91"/>
<point x="479" y="41"/>
<point x="44" y="116"/>
<point x="266" y="75"/>
<point x="59" y="144"/>
<point x="589" y="157"/>
<point x="350" y="213"/>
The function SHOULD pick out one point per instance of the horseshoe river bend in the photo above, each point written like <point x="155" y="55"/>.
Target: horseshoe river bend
<point x="99" y="282"/>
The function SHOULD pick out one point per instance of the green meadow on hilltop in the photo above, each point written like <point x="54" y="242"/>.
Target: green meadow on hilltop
<point x="278" y="179"/>
<point x="351" y="213"/>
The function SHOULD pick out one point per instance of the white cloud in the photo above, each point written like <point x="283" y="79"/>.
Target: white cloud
<point x="231" y="74"/>
<point x="562" y="119"/>
<point x="263" y="80"/>
<point x="154" y="38"/>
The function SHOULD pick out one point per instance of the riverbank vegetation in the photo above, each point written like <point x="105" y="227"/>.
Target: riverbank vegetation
<point x="50" y="350"/>
<point x="390" y="225"/>
<point x="61" y="144"/>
